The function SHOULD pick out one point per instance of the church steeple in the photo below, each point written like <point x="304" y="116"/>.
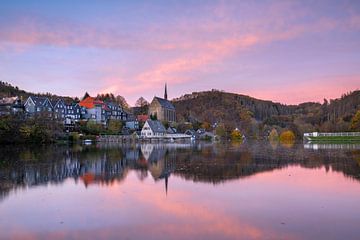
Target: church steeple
<point x="165" y="94"/>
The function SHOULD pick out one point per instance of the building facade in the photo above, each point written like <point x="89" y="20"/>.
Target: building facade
<point x="162" y="109"/>
<point x="153" y="129"/>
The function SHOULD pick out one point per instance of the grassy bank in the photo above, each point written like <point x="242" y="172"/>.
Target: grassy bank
<point x="335" y="139"/>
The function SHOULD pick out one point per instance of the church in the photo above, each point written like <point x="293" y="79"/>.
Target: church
<point x="162" y="108"/>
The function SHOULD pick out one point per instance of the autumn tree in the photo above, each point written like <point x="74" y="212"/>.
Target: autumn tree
<point x="142" y="106"/>
<point x="220" y="130"/>
<point x="141" y="102"/>
<point x="114" y="126"/>
<point x="122" y="102"/>
<point x="355" y="122"/>
<point x="273" y="136"/>
<point x="236" y="135"/>
<point x="287" y="136"/>
<point x="206" y="126"/>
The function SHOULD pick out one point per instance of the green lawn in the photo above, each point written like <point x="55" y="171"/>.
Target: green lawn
<point x="335" y="139"/>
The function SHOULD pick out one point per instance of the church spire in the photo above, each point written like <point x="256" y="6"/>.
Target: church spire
<point x="165" y="94"/>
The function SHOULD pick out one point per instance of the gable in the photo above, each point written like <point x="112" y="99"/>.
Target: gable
<point x="29" y="101"/>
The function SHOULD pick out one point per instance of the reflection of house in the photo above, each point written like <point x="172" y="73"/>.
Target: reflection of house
<point x="163" y="109"/>
<point x="153" y="129"/>
<point x="160" y="165"/>
<point x="152" y="152"/>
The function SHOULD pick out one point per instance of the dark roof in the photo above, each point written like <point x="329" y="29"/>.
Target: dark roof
<point x="171" y="130"/>
<point x="156" y="126"/>
<point x="55" y="101"/>
<point x="39" y="101"/>
<point x="165" y="103"/>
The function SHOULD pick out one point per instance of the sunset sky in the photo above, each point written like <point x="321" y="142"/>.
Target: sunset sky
<point x="285" y="51"/>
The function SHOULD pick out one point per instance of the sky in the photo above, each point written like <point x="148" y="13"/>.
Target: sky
<point x="285" y="51"/>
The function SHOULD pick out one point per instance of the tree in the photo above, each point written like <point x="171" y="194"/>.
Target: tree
<point x="206" y="126"/>
<point x="273" y="136"/>
<point x="141" y="102"/>
<point x="220" y="131"/>
<point x="153" y="116"/>
<point x="114" y="126"/>
<point x="236" y="135"/>
<point x="355" y="122"/>
<point x="166" y="124"/>
<point x="122" y="102"/>
<point x="93" y="127"/>
<point x="287" y="136"/>
<point x="142" y="106"/>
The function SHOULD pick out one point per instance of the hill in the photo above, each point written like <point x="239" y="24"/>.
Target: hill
<point x="8" y="90"/>
<point x="256" y="117"/>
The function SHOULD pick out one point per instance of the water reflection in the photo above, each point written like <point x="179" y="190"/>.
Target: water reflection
<point x="254" y="190"/>
<point x="23" y="167"/>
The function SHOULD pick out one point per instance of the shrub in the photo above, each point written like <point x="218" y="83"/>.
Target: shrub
<point x="236" y="135"/>
<point x="74" y="137"/>
<point x="355" y="122"/>
<point x="287" y="136"/>
<point x="220" y="131"/>
<point x="114" y="126"/>
<point x="93" y="128"/>
<point x="274" y="136"/>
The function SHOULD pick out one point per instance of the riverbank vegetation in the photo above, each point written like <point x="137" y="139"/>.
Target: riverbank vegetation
<point x="38" y="129"/>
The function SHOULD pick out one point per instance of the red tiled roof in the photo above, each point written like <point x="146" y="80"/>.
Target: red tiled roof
<point x="142" y="118"/>
<point x="90" y="102"/>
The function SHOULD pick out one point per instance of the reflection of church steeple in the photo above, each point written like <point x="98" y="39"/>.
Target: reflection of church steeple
<point x="166" y="184"/>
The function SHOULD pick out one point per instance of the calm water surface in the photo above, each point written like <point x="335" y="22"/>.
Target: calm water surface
<point x="180" y="191"/>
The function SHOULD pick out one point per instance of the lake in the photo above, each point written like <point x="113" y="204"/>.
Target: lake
<point x="254" y="190"/>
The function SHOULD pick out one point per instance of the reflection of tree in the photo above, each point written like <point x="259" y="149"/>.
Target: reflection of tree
<point x="106" y="164"/>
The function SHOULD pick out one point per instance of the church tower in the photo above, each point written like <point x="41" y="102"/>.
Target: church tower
<point x="165" y="94"/>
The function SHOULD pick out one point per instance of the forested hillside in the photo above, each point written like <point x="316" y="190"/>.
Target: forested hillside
<point x="8" y="90"/>
<point x="257" y="117"/>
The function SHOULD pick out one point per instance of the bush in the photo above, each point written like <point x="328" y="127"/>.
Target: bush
<point x="236" y="135"/>
<point x="93" y="128"/>
<point x="37" y="129"/>
<point x="287" y="137"/>
<point x="355" y="122"/>
<point x="274" y="136"/>
<point x="220" y="131"/>
<point x="114" y="126"/>
<point x="74" y="137"/>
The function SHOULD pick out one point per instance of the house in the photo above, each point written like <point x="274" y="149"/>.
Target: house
<point x="171" y="130"/>
<point x="131" y="122"/>
<point x="34" y="105"/>
<point x="101" y="112"/>
<point x="153" y="129"/>
<point x="163" y="109"/>
<point x="10" y="105"/>
<point x="58" y="108"/>
<point x="142" y="118"/>
<point x="71" y="112"/>
<point x="115" y="111"/>
<point x="95" y="109"/>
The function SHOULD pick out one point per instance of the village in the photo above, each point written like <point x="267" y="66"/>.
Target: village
<point x="158" y="124"/>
